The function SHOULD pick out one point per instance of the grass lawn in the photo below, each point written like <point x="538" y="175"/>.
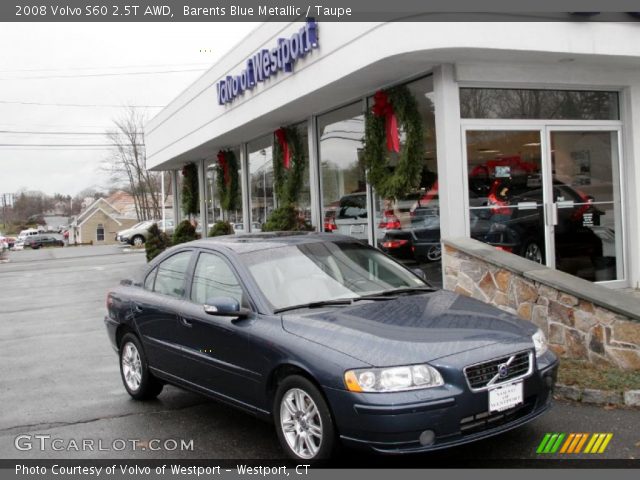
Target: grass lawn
<point x="587" y="375"/>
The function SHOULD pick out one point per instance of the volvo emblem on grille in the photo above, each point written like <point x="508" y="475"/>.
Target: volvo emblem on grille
<point x="503" y="370"/>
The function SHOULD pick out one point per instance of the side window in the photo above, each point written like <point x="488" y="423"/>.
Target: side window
<point x="171" y="273"/>
<point x="100" y="233"/>
<point x="214" y="278"/>
<point x="151" y="277"/>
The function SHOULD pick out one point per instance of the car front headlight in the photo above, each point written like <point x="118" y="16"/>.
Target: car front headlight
<point x="392" y="379"/>
<point x="540" y="343"/>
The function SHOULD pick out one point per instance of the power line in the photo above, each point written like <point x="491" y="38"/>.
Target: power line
<point x="92" y="105"/>
<point x="43" y="77"/>
<point x="24" y="132"/>
<point x="69" y="144"/>
<point x="112" y="67"/>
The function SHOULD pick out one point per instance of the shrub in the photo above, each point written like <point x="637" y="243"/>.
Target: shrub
<point x="156" y="243"/>
<point x="286" y="218"/>
<point x="221" y="228"/>
<point x="184" y="232"/>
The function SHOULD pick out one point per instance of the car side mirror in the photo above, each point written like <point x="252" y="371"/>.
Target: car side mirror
<point x="225" y="307"/>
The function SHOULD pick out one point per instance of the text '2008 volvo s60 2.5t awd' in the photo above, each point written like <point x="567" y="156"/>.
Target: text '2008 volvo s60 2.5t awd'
<point x="330" y="339"/>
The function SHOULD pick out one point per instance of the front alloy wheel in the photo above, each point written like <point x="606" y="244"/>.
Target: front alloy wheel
<point x="303" y="421"/>
<point x="138" y="241"/>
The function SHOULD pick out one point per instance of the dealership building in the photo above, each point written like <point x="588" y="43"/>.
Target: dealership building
<point x="529" y="131"/>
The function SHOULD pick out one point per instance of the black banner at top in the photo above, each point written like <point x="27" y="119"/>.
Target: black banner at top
<point x="325" y="10"/>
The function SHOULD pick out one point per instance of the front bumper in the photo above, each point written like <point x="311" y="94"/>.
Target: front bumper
<point x="393" y="423"/>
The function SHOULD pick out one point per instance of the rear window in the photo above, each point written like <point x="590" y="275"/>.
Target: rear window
<point x="353" y="206"/>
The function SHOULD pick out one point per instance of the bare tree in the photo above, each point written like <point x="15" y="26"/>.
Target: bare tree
<point x="128" y="164"/>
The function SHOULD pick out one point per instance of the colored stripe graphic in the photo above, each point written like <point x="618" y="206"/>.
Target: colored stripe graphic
<point x="573" y="443"/>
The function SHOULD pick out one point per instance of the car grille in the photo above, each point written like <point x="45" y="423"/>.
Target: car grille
<point x="483" y="375"/>
<point x="487" y="421"/>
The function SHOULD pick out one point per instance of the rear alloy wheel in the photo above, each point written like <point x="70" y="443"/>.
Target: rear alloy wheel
<point x="137" y="379"/>
<point x="533" y="252"/>
<point x="303" y="421"/>
<point x="434" y="253"/>
<point x="138" y="241"/>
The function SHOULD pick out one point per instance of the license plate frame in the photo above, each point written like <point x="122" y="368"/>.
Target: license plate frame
<point x="505" y="397"/>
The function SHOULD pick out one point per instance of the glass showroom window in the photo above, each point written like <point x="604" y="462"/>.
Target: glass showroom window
<point x="344" y="197"/>
<point x="261" y="192"/>
<point x="546" y="192"/>
<point x="100" y="233"/>
<point x="408" y="227"/>
<point x="215" y="211"/>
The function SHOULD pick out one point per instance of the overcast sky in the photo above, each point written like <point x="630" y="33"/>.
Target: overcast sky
<point x="89" y="64"/>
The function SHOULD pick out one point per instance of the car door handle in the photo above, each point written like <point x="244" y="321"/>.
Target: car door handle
<point x="185" y="323"/>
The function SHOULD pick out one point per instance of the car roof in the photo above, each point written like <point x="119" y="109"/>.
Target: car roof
<point x="251" y="242"/>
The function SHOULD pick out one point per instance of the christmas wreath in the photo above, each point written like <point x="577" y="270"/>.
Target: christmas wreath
<point x="288" y="165"/>
<point x="227" y="179"/>
<point x="190" y="191"/>
<point x="392" y="110"/>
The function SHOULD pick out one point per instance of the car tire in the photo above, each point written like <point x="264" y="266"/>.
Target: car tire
<point x="137" y="241"/>
<point x="434" y="253"/>
<point x="531" y="250"/>
<point x="134" y="370"/>
<point x="303" y="421"/>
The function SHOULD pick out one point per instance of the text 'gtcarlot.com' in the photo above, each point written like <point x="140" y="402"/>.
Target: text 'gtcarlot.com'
<point x="47" y="442"/>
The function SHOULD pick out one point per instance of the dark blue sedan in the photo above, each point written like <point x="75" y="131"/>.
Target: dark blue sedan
<point x="330" y="339"/>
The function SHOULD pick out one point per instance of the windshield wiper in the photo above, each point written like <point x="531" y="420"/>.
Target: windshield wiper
<point x="322" y="303"/>
<point x="399" y="291"/>
<point x="337" y="302"/>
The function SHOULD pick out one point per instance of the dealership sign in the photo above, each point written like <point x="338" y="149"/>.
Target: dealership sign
<point x="267" y="63"/>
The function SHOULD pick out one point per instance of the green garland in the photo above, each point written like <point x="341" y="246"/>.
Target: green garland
<point x="228" y="190"/>
<point x="190" y="190"/>
<point x="289" y="182"/>
<point x="395" y="182"/>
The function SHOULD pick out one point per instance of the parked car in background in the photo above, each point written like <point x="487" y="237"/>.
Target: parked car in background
<point x="29" y="232"/>
<point x="9" y="241"/>
<point x="513" y="223"/>
<point x="256" y="227"/>
<point x="43" y="240"/>
<point x="139" y="233"/>
<point x="331" y="340"/>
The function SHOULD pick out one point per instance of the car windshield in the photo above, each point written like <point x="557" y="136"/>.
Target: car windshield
<point x="325" y="271"/>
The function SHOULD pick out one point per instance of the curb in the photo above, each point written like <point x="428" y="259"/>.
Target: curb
<point x="628" y="398"/>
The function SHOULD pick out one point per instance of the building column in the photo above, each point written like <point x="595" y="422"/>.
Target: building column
<point x="315" y="178"/>
<point x="202" y="191"/>
<point x="244" y="182"/>
<point x="176" y="199"/>
<point x="451" y="169"/>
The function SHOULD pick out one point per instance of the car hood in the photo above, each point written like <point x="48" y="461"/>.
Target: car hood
<point x="412" y="329"/>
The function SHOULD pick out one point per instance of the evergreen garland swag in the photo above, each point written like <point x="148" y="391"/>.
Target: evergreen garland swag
<point x="288" y="181"/>
<point x="190" y="191"/>
<point x="390" y="182"/>
<point x="227" y="181"/>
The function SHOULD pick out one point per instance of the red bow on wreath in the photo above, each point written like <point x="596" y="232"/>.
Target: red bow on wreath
<point x="281" y="136"/>
<point x="222" y="161"/>
<point x="383" y="108"/>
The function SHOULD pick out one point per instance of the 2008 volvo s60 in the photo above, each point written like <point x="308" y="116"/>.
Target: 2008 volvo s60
<point x="332" y="340"/>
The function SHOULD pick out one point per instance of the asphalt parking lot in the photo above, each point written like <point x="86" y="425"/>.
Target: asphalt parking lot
<point x="59" y="377"/>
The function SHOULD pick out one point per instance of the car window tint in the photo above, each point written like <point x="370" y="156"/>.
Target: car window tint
<point x="171" y="273"/>
<point x="214" y="278"/>
<point x="148" y="282"/>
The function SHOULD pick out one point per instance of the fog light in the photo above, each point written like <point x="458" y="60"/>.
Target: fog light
<point x="427" y="437"/>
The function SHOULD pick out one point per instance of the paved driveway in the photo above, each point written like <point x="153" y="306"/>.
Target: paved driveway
<point x="59" y="377"/>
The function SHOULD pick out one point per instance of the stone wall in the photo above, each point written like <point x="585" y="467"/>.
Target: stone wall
<point x="577" y="326"/>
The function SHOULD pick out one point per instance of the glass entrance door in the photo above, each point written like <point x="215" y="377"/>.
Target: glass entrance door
<point x="585" y="216"/>
<point x="548" y="194"/>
